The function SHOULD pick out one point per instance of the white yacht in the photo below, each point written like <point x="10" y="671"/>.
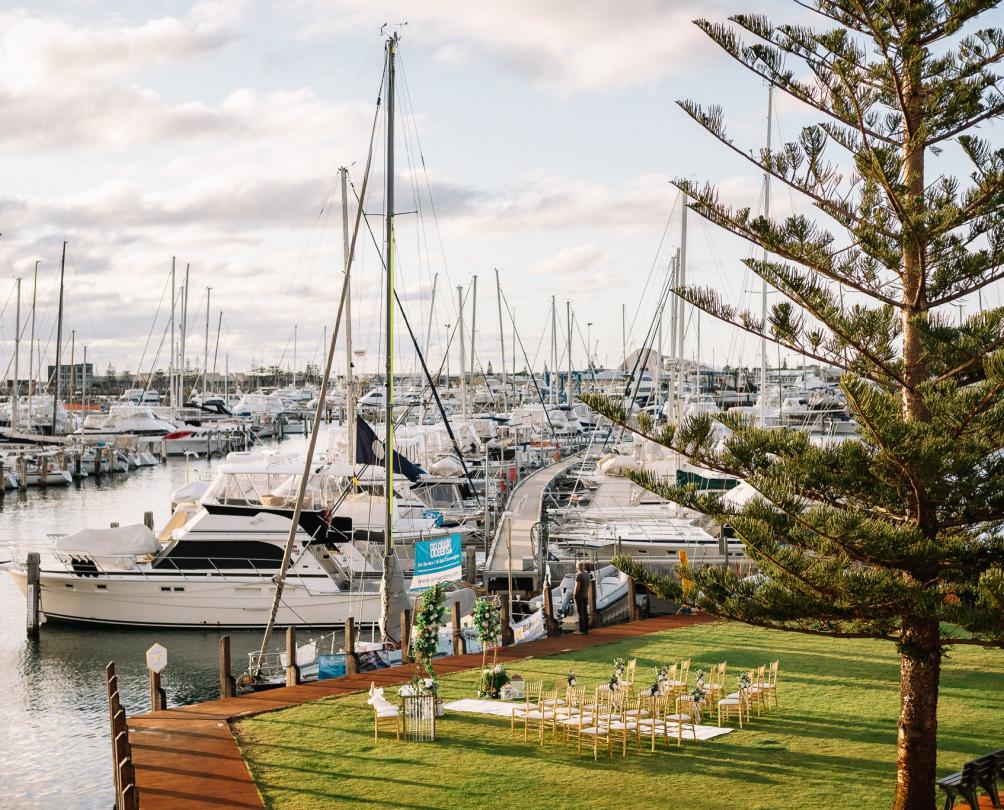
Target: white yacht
<point x="121" y="420"/>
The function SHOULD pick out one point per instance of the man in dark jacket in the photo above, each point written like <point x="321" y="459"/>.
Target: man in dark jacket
<point x="581" y="596"/>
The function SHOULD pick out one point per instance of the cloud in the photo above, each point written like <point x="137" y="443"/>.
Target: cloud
<point x="562" y="45"/>
<point x="71" y="85"/>
<point x="585" y="268"/>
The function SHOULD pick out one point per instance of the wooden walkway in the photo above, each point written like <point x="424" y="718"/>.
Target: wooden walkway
<point x="188" y="757"/>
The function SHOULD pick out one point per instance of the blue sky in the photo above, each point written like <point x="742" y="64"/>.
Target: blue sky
<point x="213" y="131"/>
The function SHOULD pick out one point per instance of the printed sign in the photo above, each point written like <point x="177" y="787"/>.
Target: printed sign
<point x="437" y="561"/>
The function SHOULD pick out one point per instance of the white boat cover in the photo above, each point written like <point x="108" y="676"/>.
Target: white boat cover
<point x="111" y="548"/>
<point x="190" y="492"/>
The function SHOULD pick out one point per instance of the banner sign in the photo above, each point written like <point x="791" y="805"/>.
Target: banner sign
<point x="437" y="561"/>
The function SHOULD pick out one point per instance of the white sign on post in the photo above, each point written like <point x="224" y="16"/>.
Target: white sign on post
<point x="156" y="658"/>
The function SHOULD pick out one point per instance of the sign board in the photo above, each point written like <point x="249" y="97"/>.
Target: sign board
<point x="437" y="561"/>
<point x="330" y="666"/>
<point x="156" y="658"/>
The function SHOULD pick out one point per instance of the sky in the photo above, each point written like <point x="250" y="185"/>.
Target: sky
<point x="538" y="139"/>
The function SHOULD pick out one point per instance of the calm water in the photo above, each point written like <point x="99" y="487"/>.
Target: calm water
<point x="55" y="750"/>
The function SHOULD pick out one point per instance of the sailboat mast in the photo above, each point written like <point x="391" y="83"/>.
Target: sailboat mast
<point x="568" y="389"/>
<point x="681" y="280"/>
<point x="388" y="534"/>
<point x="31" y="342"/>
<point x="553" y="387"/>
<point x="16" y="390"/>
<point x="59" y="339"/>
<point x="350" y="386"/>
<point x="205" y="350"/>
<point x="172" y="382"/>
<point x="432" y="313"/>
<point x="184" y="334"/>
<point x="295" y="327"/>
<point x="474" y="324"/>
<point x="498" y="296"/>
<point x="463" y="357"/>
<point x="763" y="285"/>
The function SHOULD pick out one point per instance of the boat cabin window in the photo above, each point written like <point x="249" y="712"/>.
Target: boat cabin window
<point x="438" y="495"/>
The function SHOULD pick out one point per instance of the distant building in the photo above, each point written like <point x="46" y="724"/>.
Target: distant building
<point x="81" y="372"/>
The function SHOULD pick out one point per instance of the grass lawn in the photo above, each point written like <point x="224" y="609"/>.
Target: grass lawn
<point x="831" y="745"/>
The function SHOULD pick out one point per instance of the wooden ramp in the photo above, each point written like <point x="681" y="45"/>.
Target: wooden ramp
<point x="187" y="758"/>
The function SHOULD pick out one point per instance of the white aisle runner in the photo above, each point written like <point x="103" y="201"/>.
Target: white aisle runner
<point x="502" y="708"/>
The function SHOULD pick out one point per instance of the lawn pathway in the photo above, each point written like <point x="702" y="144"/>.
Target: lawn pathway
<point x="187" y="757"/>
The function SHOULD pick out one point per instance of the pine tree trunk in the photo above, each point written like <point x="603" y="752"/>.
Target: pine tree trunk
<point x="917" y="747"/>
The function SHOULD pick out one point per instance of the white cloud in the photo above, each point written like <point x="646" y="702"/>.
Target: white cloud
<point x="584" y="268"/>
<point x="564" y="45"/>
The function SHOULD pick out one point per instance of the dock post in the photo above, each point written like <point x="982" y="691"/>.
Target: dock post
<point x="470" y="566"/>
<point x="350" y="645"/>
<point x="97" y="462"/>
<point x="78" y="470"/>
<point x="507" y="636"/>
<point x="594" y="616"/>
<point x="43" y="471"/>
<point x="148" y="520"/>
<point x="405" y="634"/>
<point x="458" y="638"/>
<point x="228" y="686"/>
<point x="33" y="571"/>
<point x="3" y="481"/>
<point x="292" y="670"/>
<point x="632" y="602"/>
<point x="553" y="628"/>
<point x="158" y="697"/>
<point x="163" y="451"/>
<point x="22" y="473"/>
<point x="113" y="525"/>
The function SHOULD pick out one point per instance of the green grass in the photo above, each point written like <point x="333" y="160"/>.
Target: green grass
<point x="831" y="745"/>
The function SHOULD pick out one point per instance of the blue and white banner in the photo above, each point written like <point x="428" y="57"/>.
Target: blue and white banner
<point x="437" y="561"/>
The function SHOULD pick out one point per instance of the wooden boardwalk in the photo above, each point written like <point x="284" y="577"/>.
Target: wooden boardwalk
<point x="188" y="757"/>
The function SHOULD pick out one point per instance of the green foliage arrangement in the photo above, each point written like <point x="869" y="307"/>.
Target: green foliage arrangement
<point x="487" y="618"/>
<point x="429" y="619"/>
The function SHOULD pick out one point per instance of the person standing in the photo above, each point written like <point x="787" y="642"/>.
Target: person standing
<point x="581" y="596"/>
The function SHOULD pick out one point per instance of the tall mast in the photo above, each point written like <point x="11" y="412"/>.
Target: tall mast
<point x="681" y="281"/>
<point x="432" y="313"/>
<point x="295" y="327"/>
<point x="350" y="389"/>
<point x="184" y="334"/>
<point x="673" y="356"/>
<point x="83" y="383"/>
<point x="498" y="296"/>
<point x="388" y="533"/>
<point x="172" y="382"/>
<point x="59" y="338"/>
<point x="568" y="317"/>
<point x="216" y="347"/>
<point x="71" y="382"/>
<point x="463" y="357"/>
<point x="763" y="286"/>
<point x="553" y="387"/>
<point x="16" y="390"/>
<point x="31" y="342"/>
<point x="205" y="350"/>
<point x="474" y="324"/>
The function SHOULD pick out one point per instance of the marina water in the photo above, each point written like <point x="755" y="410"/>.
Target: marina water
<point x="53" y="710"/>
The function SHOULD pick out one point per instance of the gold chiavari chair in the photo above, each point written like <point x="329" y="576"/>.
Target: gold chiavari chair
<point x="688" y="713"/>
<point x="666" y="686"/>
<point x="737" y="702"/>
<point x="531" y="699"/>
<point x="598" y="729"/>
<point x="756" y="691"/>
<point x="621" y="724"/>
<point x="716" y="682"/>
<point x="576" y="713"/>
<point x="543" y="714"/>
<point x="654" y="724"/>
<point x="770" y="685"/>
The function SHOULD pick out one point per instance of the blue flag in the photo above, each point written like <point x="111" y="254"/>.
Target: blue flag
<point x="369" y="450"/>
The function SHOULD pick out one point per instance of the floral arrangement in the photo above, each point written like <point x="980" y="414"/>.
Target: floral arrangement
<point x="492" y="681"/>
<point x="428" y="619"/>
<point x="744" y="681"/>
<point x="700" y="688"/>
<point x="419" y="686"/>
<point x="655" y="689"/>
<point x="615" y="678"/>
<point x="661" y="673"/>
<point x="571" y="679"/>
<point x="487" y="617"/>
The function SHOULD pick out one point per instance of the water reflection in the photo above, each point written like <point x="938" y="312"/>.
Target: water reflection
<point x="53" y="711"/>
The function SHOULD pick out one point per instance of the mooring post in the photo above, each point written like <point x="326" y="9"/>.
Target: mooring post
<point x="97" y="462"/>
<point x="458" y="638"/>
<point x="594" y="617"/>
<point x="158" y="697"/>
<point x="78" y="470"/>
<point x="405" y="634"/>
<point x="148" y="520"/>
<point x="632" y="602"/>
<point x="553" y="628"/>
<point x="228" y="686"/>
<point x="470" y="566"/>
<point x="292" y="670"/>
<point x="22" y="473"/>
<point x="350" y="646"/>
<point x="163" y="451"/>
<point x="114" y="524"/>
<point x="507" y="636"/>
<point x="33" y="570"/>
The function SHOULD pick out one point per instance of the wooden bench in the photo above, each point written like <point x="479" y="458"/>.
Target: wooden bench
<point x="978" y="774"/>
